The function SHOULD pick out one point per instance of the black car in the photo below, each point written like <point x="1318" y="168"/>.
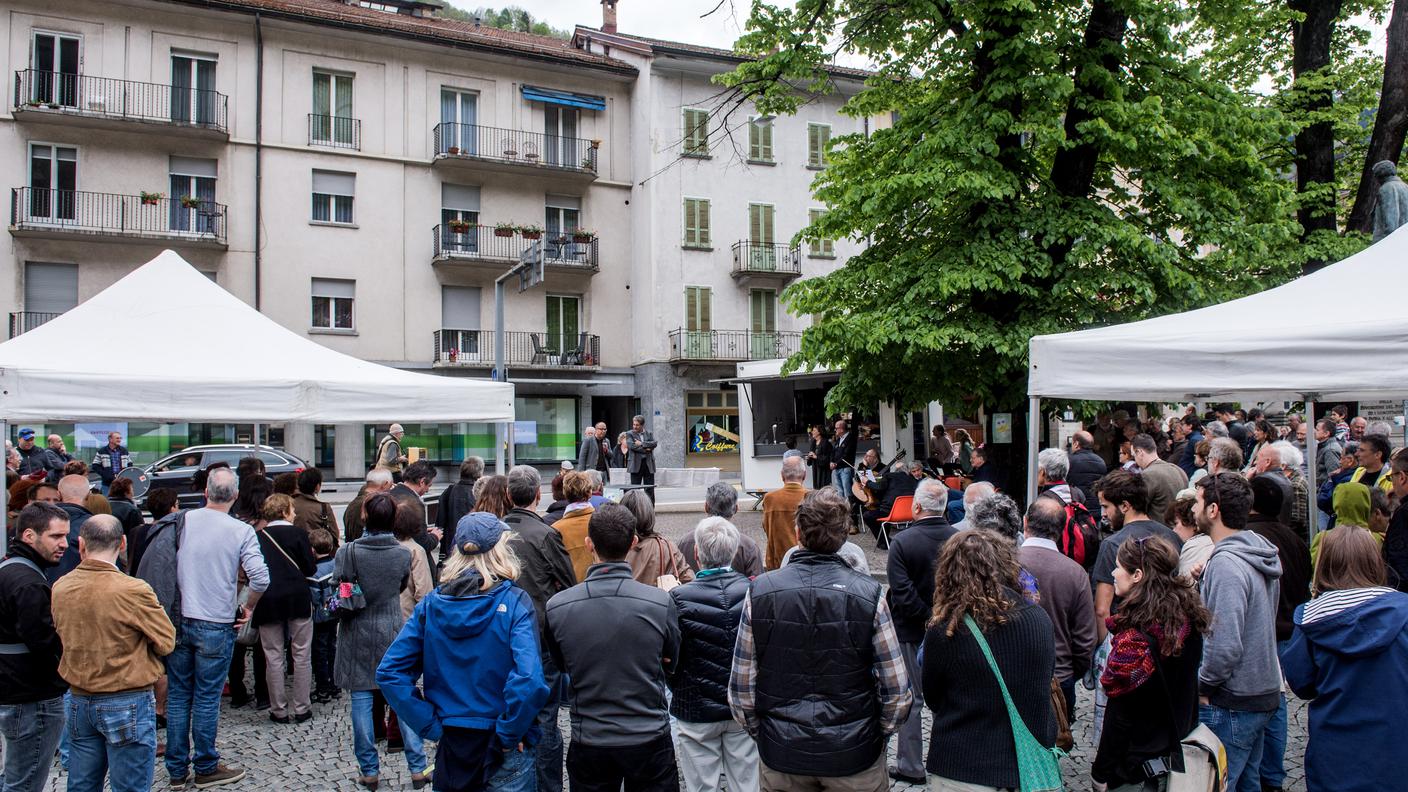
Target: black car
<point x="176" y="471"/>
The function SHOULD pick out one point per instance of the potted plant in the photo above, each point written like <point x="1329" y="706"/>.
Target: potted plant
<point x="588" y="163"/>
<point x="583" y="235"/>
<point x="454" y="354"/>
<point x="190" y="202"/>
<point x="459" y="226"/>
<point x="453" y="150"/>
<point x="505" y="229"/>
<point x="531" y="231"/>
<point x="34" y="103"/>
<point x="151" y="198"/>
<point x="596" y="143"/>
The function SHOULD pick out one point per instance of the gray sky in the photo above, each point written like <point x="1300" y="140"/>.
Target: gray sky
<point x="676" y="20"/>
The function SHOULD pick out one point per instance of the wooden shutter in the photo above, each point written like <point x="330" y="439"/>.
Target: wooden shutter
<point x="818" y="135"/>
<point x="696" y="131"/>
<point x="760" y="140"/>
<point x="696" y="222"/>
<point x="760" y="223"/>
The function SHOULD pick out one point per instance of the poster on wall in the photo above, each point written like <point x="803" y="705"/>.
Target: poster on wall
<point x="706" y="437"/>
<point x="1002" y="427"/>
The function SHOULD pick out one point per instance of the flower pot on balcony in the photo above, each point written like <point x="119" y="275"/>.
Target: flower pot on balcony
<point x="503" y="231"/>
<point x="454" y="355"/>
<point x="453" y="150"/>
<point x="150" y="199"/>
<point x="459" y="227"/>
<point x="532" y="234"/>
<point x="583" y="238"/>
<point x="190" y="202"/>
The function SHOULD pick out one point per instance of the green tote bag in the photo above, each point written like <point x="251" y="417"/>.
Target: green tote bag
<point x="1038" y="767"/>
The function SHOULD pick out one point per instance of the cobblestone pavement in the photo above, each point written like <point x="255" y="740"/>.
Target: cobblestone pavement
<point x="317" y="755"/>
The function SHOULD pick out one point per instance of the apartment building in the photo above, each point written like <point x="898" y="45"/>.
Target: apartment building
<point x="363" y="172"/>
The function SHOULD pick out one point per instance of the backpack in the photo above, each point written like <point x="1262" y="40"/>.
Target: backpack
<point x="1080" y="537"/>
<point x="322" y="590"/>
<point x="158" y="566"/>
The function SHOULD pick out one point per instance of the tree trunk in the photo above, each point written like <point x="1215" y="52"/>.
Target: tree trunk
<point x="1315" y="143"/>
<point x="1391" y="121"/>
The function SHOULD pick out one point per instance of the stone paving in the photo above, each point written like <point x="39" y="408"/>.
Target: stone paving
<point x="317" y="755"/>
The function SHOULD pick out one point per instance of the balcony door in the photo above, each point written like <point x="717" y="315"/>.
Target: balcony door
<point x="49" y="290"/>
<point x="761" y="254"/>
<point x="53" y="180"/>
<point x="459" y="203"/>
<point x="459" y="112"/>
<point x="561" y="146"/>
<point x="564" y="321"/>
<point x="459" y="323"/>
<point x="698" y="322"/>
<point x="332" y="109"/>
<point x="191" y="207"/>
<point x="564" y="215"/>
<point x="56" y="63"/>
<point x="762" y="330"/>
<point x="193" y="89"/>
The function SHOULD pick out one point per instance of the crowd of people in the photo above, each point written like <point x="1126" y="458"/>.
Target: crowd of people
<point x="1190" y="604"/>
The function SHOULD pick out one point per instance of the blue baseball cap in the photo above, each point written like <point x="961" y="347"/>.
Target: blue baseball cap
<point x="26" y="433"/>
<point x="480" y="530"/>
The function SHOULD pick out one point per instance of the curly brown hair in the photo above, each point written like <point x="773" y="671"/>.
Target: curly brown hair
<point x="1162" y="598"/>
<point x="976" y="570"/>
<point x="493" y="498"/>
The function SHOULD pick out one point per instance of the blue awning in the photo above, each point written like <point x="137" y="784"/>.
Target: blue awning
<point x="565" y="98"/>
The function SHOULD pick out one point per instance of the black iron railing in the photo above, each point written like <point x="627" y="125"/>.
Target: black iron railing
<point x="732" y="345"/>
<point x="471" y="241"/>
<point x="758" y="257"/>
<point x="121" y="99"/>
<point x="539" y="350"/>
<point x="472" y="141"/>
<point x="183" y="217"/>
<point x="24" y="321"/>
<point x="334" y="131"/>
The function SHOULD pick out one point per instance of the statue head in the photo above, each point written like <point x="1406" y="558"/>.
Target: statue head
<point x="1385" y="170"/>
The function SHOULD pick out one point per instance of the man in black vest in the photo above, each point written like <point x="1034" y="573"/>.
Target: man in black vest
<point x="817" y="612"/>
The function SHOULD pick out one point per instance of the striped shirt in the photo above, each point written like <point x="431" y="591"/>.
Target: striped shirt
<point x="1334" y="602"/>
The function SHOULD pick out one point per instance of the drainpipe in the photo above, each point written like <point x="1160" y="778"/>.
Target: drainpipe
<point x="258" y="154"/>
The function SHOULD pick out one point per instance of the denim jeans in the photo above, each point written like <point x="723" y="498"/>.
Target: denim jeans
<point x="31" y="733"/>
<point x="1241" y="734"/>
<point x="324" y="655"/>
<point x="842" y="478"/>
<point x="364" y="745"/>
<point x="112" y="735"/>
<point x="549" y="748"/>
<point x="518" y="773"/>
<point x="196" y="672"/>
<point x="1273" y="748"/>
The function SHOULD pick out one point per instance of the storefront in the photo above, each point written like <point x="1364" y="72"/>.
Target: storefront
<point x="711" y="428"/>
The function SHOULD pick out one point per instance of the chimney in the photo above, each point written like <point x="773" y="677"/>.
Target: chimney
<point x="608" y="16"/>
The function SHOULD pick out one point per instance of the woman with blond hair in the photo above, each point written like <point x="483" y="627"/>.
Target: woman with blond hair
<point x="284" y="614"/>
<point x="977" y="603"/>
<point x="477" y="619"/>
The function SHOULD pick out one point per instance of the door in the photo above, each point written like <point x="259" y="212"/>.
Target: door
<point x="563" y="338"/>
<point x="53" y="182"/>
<point x="193" y="89"/>
<point x="459" y="323"/>
<point x="459" y="219"/>
<point x="698" y="322"/>
<point x="332" y="108"/>
<point x="560" y="146"/>
<point x="458" y="110"/>
<point x="192" y="199"/>
<point x="762" y="331"/>
<point x="762" y="255"/>
<point x="55" y="61"/>
<point x="564" y="215"/>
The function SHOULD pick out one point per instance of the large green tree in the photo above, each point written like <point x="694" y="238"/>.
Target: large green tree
<point x="506" y="18"/>
<point x="1050" y="166"/>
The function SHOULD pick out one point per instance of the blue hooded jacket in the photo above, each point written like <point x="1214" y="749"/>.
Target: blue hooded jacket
<point x="478" y="654"/>
<point x="1352" y="664"/>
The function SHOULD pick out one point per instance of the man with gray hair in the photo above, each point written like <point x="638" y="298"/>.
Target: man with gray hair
<point x="780" y="512"/>
<point x="115" y="631"/>
<point x="589" y="452"/>
<point x="998" y="513"/>
<point x="214" y="547"/>
<point x="974" y="493"/>
<point x="914" y="553"/>
<point x="721" y="500"/>
<point x="378" y="480"/>
<point x="1292" y="464"/>
<point x="709" y="742"/>
<point x="1224" y="456"/>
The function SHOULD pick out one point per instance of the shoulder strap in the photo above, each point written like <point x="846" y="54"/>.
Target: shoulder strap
<point x="281" y="550"/>
<point x="1174" y="739"/>
<point x="992" y="663"/>
<point x="21" y="561"/>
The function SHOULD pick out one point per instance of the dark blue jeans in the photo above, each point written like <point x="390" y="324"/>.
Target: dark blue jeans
<point x="196" y="673"/>
<point x="32" y="733"/>
<point x="549" y="748"/>
<point x="324" y="654"/>
<point x="1241" y="734"/>
<point x="112" y="735"/>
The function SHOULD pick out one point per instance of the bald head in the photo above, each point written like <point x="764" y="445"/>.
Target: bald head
<point x="100" y="535"/>
<point x="1046" y="517"/>
<point x="1081" y="440"/>
<point x="73" y="489"/>
<point x="794" y="469"/>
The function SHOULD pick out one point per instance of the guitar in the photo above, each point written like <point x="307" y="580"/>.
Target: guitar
<point x="863" y="493"/>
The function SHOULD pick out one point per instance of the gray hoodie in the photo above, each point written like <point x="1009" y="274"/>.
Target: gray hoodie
<point x="1240" y="586"/>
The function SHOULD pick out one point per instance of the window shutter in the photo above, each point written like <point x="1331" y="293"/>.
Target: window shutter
<point x="334" y="287"/>
<point x="705" y="308"/>
<point x="755" y="140"/>
<point x="691" y="307"/>
<point x="755" y="223"/>
<point x="334" y="183"/>
<point x="702" y="212"/>
<point x="50" y="288"/>
<point x="767" y="141"/>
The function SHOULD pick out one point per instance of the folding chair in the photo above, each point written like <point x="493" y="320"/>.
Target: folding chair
<point x="901" y="514"/>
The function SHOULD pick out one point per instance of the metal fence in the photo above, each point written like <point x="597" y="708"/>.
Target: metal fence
<point x="485" y="242"/>
<point x="334" y="131"/>
<point x="732" y="345"/>
<point x="126" y="99"/>
<point x="510" y="145"/>
<point x="24" y="321"/>
<point x="521" y="348"/>
<point x="761" y="257"/>
<point x="40" y="209"/>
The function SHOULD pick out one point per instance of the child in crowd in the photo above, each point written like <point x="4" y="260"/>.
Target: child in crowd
<point x="320" y="588"/>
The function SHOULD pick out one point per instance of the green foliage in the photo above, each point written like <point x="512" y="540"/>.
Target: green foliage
<point x="507" y="18"/>
<point x="1031" y="183"/>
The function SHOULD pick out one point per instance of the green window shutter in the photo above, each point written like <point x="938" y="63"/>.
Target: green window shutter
<point x="760" y="140"/>
<point x="691" y="307"/>
<point x="706" y="308"/>
<point x="755" y="223"/>
<point x="702" y="216"/>
<point x="691" y="223"/>
<point x="767" y="141"/>
<point x="765" y="217"/>
<point x="696" y="132"/>
<point x="554" y="322"/>
<point x="818" y="135"/>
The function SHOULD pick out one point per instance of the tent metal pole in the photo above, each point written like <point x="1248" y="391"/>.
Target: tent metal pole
<point x="4" y="491"/>
<point x="1312" y="454"/>
<point x="1033" y="440"/>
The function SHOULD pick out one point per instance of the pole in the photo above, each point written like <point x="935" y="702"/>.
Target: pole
<point x="255" y="435"/>
<point x="500" y="435"/>
<point x="4" y="491"/>
<point x="1312" y="454"/>
<point x="1033" y="439"/>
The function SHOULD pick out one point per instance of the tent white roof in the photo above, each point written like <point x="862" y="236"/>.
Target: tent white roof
<point x="1339" y="334"/>
<point x="202" y="354"/>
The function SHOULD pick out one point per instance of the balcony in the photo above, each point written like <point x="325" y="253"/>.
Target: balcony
<point x="731" y="346"/>
<point x="550" y="351"/>
<point x="70" y="214"/>
<point x="761" y="264"/>
<point x="81" y="100"/>
<point x="512" y="151"/>
<point x="483" y="247"/>
<point x="335" y="131"/>
<point x="24" y="321"/>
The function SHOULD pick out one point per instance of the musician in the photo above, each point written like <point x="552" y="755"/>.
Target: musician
<point x="843" y="458"/>
<point x="888" y="488"/>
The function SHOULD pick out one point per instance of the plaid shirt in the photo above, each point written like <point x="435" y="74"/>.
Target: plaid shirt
<point x="892" y="683"/>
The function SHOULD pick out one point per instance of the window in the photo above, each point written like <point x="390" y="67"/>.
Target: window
<point x="822" y="248"/>
<point x="698" y="321"/>
<point x="762" y="329"/>
<point x="711" y="422"/>
<point x="193" y="89"/>
<point x="563" y="215"/>
<point x="762" y="255"/>
<point x="564" y="314"/>
<point x="192" y="204"/>
<point x="818" y="137"/>
<point x="332" y="196"/>
<point x="332" y="122"/>
<point x="561" y="146"/>
<point x="696" y="133"/>
<point x="459" y="218"/>
<point x="50" y="288"/>
<point x="696" y="223"/>
<point x="760" y="139"/>
<point x="53" y="179"/>
<point x="332" y="303"/>
<point x="459" y="111"/>
<point x="56" y="64"/>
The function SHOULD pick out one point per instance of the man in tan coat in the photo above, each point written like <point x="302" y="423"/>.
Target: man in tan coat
<point x="780" y="512"/>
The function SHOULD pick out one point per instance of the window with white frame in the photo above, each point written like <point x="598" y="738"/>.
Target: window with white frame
<point x="55" y="63"/>
<point x="760" y="139"/>
<point x="193" y="97"/>
<point x="818" y="138"/>
<point x="332" y="303"/>
<point x="821" y="248"/>
<point x="696" y="223"/>
<point x="333" y="192"/>
<point x="696" y="132"/>
<point x="332" y="122"/>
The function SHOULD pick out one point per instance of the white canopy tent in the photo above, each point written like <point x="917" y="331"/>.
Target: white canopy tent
<point x="1336" y="334"/>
